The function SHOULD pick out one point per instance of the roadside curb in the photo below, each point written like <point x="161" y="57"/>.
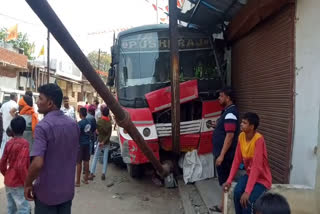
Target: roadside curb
<point x="210" y="192"/>
<point x="191" y="200"/>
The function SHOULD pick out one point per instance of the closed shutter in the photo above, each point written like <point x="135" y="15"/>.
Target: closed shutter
<point x="262" y="77"/>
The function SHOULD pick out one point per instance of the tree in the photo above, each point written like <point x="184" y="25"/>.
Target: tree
<point x="22" y="42"/>
<point x="3" y="34"/>
<point x="105" y="60"/>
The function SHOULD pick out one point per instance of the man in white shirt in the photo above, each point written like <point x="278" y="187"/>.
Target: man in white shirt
<point x="67" y="109"/>
<point x="98" y="110"/>
<point x="8" y="111"/>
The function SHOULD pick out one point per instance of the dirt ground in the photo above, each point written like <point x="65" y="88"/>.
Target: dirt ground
<point x="127" y="195"/>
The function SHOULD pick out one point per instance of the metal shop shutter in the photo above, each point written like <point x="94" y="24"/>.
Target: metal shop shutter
<point x="262" y="77"/>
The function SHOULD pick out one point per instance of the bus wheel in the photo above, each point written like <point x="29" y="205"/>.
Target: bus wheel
<point x="135" y="171"/>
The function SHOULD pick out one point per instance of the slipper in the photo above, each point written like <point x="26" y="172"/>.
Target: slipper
<point x="215" y="209"/>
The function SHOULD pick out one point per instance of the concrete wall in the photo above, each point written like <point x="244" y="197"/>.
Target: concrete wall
<point x="8" y="82"/>
<point x="302" y="200"/>
<point x="23" y="82"/>
<point x="307" y="100"/>
<point x="317" y="189"/>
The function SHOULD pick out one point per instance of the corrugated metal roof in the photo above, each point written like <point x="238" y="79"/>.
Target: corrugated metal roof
<point x="210" y="14"/>
<point x="263" y="81"/>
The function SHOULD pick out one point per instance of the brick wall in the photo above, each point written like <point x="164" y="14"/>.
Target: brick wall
<point x="13" y="58"/>
<point x="7" y="72"/>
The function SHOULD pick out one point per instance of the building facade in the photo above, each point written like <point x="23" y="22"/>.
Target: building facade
<point x="12" y="64"/>
<point x="275" y="72"/>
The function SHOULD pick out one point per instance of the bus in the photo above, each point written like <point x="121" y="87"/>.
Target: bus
<point x="141" y="77"/>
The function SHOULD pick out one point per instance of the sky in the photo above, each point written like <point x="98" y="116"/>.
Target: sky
<point x="83" y="18"/>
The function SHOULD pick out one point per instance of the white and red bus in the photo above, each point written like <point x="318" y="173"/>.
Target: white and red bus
<point x="141" y="76"/>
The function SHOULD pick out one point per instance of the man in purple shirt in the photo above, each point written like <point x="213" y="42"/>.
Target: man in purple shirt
<point x="54" y="156"/>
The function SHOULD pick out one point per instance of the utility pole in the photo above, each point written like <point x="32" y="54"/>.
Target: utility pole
<point x="99" y="59"/>
<point x="175" y="76"/>
<point x="48" y="57"/>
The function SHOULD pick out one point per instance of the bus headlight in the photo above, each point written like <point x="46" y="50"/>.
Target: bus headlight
<point x="146" y="132"/>
<point x="208" y="124"/>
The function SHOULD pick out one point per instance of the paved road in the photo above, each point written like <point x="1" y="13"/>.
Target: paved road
<point x="125" y="196"/>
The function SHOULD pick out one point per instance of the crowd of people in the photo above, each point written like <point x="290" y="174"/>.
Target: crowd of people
<point x="42" y="161"/>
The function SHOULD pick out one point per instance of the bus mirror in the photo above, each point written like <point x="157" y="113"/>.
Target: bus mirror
<point x="125" y="73"/>
<point x="110" y="81"/>
<point x="115" y="54"/>
<point x="111" y="72"/>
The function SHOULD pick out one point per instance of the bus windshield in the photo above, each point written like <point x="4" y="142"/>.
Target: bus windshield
<point x="145" y="59"/>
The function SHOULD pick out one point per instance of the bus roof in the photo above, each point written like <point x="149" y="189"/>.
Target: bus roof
<point x="155" y="27"/>
<point x="144" y="28"/>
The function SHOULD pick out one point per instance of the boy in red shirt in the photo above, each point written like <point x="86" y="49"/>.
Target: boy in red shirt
<point x="14" y="167"/>
<point x="251" y="150"/>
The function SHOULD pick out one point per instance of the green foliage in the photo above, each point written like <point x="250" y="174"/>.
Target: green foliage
<point x="22" y="42"/>
<point x="3" y="34"/>
<point x="105" y="60"/>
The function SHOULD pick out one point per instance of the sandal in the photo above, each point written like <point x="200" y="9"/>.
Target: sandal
<point x="215" y="209"/>
<point x="77" y="185"/>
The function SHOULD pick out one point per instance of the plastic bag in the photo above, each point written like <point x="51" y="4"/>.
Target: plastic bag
<point x="196" y="168"/>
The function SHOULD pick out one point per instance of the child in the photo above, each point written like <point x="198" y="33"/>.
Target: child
<point x="14" y="167"/>
<point x="84" y="149"/>
<point x="104" y="128"/>
<point x="271" y="203"/>
<point x="251" y="150"/>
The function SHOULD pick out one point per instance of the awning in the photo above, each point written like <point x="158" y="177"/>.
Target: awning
<point x="210" y="15"/>
<point x="66" y="79"/>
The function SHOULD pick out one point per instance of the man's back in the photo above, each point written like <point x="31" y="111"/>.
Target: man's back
<point x="27" y="134"/>
<point x="57" y="141"/>
<point x="85" y="131"/>
<point x="228" y="122"/>
<point x="104" y="128"/>
<point x="93" y="122"/>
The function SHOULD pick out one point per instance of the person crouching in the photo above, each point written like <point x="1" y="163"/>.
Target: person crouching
<point x="252" y="151"/>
